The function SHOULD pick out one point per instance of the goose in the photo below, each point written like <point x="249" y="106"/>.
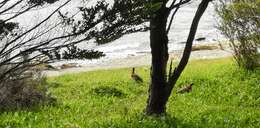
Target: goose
<point x="186" y="89"/>
<point x="136" y="77"/>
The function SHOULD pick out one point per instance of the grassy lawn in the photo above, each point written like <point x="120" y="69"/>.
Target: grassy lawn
<point x="223" y="96"/>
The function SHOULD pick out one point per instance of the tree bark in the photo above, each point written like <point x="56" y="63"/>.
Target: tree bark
<point x="160" y="88"/>
<point x="159" y="49"/>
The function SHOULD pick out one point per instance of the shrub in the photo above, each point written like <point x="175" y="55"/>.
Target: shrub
<point x="23" y="88"/>
<point x="240" y="23"/>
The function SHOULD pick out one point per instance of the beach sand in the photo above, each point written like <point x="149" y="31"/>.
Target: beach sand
<point x="137" y="61"/>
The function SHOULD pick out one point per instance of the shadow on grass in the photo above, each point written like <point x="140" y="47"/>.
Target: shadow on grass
<point x="29" y="108"/>
<point x="107" y="91"/>
<point x="143" y="121"/>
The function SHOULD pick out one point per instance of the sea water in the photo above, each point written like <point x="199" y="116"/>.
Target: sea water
<point x="138" y="43"/>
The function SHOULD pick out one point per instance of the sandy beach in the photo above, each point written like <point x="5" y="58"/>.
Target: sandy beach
<point x="136" y="61"/>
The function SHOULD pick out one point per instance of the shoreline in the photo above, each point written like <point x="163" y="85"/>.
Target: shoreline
<point x="137" y="61"/>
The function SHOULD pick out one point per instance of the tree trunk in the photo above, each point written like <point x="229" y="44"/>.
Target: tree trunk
<point x="159" y="49"/>
<point x="160" y="88"/>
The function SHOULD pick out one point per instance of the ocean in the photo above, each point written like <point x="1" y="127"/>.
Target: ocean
<point x="138" y="43"/>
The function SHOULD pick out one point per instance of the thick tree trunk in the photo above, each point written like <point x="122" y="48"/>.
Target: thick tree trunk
<point x="160" y="88"/>
<point x="159" y="48"/>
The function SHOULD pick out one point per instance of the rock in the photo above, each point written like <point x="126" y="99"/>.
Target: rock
<point x="69" y="65"/>
<point x="45" y="67"/>
<point x="201" y="39"/>
<point x="131" y="54"/>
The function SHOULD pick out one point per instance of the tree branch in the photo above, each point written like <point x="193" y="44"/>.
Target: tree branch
<point x="172" y="17"/>
<point x="12" y="6"/>
<point x="36" y="26"/>
<point x="187" y="50"/>
<point x="179" y="4"/>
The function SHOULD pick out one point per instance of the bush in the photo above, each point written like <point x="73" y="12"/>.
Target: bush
<point x="240" y="23"/>
<point x="23" y="88"/>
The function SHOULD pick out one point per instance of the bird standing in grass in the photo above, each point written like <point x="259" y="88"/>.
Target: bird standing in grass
<point x="136" y="77"/>
<point x="186" y="89"/>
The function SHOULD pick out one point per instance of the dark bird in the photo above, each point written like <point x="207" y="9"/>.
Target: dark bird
<point x="186" y="89"/>
<point x="136" y="77"/>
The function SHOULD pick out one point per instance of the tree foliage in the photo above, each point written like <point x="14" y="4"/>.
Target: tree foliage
<point x="74" y="52"/>
<point x="240" y="23"/>
<point x="106" y="22"/>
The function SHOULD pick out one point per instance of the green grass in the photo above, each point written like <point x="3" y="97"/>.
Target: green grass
<point x="223" y="96"/>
